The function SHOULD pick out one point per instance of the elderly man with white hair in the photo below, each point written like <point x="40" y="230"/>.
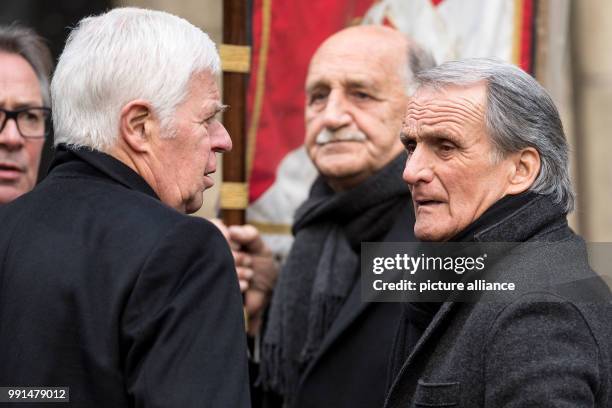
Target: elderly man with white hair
<point x="107" y="287"/>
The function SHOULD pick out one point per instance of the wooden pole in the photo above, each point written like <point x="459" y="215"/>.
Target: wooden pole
<point x="234" y="191"/>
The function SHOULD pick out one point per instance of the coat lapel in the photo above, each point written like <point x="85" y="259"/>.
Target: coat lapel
<point x="411" y="369"/>
<point x="353" y="307"/>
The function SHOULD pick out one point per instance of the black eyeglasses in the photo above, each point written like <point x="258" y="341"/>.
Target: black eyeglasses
<point x="32" y="123"/>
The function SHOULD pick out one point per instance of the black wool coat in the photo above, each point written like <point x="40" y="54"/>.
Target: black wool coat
<point x="548" y="347"/>
<point x="350" y="370"/>
<point x="107" y="291"/>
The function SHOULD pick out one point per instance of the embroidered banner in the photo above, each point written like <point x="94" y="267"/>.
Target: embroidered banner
<point x="286" y="34"/>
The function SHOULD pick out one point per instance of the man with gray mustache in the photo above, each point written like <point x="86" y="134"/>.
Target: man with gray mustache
<point x="320" y="337"/>
<point x="327" y="136"/>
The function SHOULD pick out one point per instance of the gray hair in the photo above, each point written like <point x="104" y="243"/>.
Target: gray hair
<point x="418" y="59"/>
<point x="519" y="113"/>
<point x="123" y="55"/>
<point x="16" y="39"/>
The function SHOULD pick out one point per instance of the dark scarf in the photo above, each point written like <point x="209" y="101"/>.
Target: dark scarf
<point x="322" y="268"/>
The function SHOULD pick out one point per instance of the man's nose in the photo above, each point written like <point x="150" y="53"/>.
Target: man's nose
<point x="336" y="113"/>
<point x="221" y="141"/>
<point x="10" y="138"/>
<point x="418" y="167"/>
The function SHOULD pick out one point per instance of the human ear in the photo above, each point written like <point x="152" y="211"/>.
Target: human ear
<point x="136" y="125"/>
<point x="526" y="167"/>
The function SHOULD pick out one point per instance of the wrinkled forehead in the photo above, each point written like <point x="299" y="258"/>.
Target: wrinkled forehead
<point x="454" y="106"/>
<point x="204" y="86"/>
<point x="18" y="81"/>
<point x="364" y="63"/>
<point x="352" y="70"/>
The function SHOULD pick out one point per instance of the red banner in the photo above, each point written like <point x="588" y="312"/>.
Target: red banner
<point x="296" y="29"/>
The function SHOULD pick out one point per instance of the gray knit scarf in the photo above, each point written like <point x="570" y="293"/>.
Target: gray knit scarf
<point x="322" y="268"/>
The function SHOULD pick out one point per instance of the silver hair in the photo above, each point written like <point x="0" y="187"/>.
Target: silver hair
<point x="16" y="39"/>
<point x="123" y="55"/>
<point x="418" y="59"/>
<point x="519" y="113"/>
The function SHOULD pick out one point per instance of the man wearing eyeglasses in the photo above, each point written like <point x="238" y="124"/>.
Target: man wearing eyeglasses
<point x="25" y="66"/>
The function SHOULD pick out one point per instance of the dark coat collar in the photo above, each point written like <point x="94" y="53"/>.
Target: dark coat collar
<point x="91" y="162"/>
<point x="516" y="218"/>
<point x="519" y="218"/>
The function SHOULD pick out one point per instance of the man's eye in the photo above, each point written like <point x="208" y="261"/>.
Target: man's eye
<point x="316" y="97"/>
<point x="209" y="120"/>
<point x="446" y="147"/>
<point x="362" y="95"/>
<point x="32" y="117"/>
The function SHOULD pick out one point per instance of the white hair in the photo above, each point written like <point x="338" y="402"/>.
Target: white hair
<point x="123" y="55"/>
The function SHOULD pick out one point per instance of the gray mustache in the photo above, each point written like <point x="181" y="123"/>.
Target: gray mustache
<point x="327" y="136"/>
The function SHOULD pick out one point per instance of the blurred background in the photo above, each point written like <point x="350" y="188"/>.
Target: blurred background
<point x="571" y="53"/>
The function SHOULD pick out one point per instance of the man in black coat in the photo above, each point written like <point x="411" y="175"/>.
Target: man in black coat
<point x="106" y="286"/>
<point x="323" y="345"/>
<point x="488" y="162"/>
